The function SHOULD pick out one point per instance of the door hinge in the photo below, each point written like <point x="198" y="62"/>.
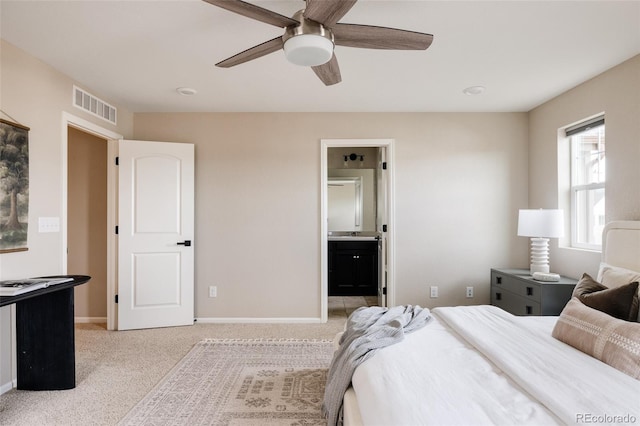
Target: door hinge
<point x="116" y="298"/>
<point x="117" y="230"/>
<point x="384" y="291"/>
<point x="384" y="228"/>
<point x="384" y="165"/>
<point x="117" y="161"/>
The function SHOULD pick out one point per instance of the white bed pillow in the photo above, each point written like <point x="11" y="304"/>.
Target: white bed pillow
<point x="615" y="276"/>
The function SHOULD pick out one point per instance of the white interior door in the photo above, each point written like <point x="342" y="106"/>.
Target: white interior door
<point x="155" y="235"/>
<point x="382" y="215"/>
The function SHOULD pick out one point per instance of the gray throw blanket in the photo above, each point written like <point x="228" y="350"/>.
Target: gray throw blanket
<point x="368" y="329"/>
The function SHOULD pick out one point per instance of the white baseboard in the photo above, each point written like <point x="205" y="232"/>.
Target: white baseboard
<point x="6" y="387"/>
<point x="90" y="320"/>
<point x="206" y="320"/>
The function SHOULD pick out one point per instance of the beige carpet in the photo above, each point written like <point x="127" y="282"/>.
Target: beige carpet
<point x="116" y="369"/>
<point x="241" y="382"/>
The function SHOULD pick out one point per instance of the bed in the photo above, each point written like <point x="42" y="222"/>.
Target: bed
<point x="479" y="365"/>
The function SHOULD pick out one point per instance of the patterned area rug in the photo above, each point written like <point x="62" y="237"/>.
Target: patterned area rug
<point x="241" y="382"/>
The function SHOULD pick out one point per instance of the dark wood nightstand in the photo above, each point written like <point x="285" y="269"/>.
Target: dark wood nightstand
<point x="515" y="291"/>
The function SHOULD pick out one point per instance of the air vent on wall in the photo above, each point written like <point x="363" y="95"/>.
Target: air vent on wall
<point x="93" y="105"/>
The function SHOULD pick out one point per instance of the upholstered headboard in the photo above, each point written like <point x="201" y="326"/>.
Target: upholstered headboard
<point x="621" y="244"/>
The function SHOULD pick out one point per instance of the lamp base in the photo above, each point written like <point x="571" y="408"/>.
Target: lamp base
<point x="538" y="268"/>
<point x="539" y="255"/>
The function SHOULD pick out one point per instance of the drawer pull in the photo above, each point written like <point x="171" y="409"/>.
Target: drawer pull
<point x="529" y="310"/>
<point x="529" y="291"/>
<point x="498" y="280"/>
<point x="498" y="296"/>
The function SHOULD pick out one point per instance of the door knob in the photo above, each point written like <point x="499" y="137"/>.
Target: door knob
<point x="186" y="243"/>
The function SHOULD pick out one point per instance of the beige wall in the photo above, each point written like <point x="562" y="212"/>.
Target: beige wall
<point x="460" y="179"/>
<point x="87" y="217"/>
<point x="616" y="93"/>
<point x="36" y="95"/>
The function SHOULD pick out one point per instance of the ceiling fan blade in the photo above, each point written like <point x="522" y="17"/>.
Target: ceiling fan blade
<point x="371" y="37"/>
<point x="329" y="72"/>
<point x="327" y="12"/>
<point x="254" y="12"/>
<point x="253" y="53"/>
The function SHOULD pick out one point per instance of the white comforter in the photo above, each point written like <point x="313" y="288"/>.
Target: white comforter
<point x="480" y="365"/>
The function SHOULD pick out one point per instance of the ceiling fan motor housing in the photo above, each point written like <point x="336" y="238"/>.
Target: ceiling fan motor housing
<point x="309" y="43"/>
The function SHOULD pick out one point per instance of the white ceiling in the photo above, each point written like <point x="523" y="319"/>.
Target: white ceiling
<point x="136" y="53"/>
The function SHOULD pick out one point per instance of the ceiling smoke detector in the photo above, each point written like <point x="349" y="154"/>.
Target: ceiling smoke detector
<point x="474" y="90"/>
<point x="186" y="91"/>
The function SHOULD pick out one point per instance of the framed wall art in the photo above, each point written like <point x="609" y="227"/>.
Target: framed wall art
<point x="14" y="186"/>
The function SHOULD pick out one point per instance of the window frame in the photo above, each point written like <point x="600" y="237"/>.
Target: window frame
<point x="574" y="189"/>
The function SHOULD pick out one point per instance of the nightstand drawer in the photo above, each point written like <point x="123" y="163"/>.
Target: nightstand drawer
<point x="513" y="303"/>
<point x="511" y="283"/>
<point x="515" y="291"/>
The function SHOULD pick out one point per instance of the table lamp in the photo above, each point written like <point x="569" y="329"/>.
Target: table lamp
<point x="540" y="225"/>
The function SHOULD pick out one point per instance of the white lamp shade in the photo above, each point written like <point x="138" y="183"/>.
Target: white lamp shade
<point x="308" y="50"/>
<point x="541" y="223"/>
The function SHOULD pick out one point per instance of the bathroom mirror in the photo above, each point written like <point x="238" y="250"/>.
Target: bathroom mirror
<point x="345" y="204"/>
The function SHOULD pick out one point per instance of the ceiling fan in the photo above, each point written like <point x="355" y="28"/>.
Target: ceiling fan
<point x="312" y="33"/>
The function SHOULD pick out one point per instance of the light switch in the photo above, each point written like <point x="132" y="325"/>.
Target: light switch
<point x="48" y="224"/>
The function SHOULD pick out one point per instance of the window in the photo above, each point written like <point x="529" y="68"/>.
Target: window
<point x="587" y="145"/>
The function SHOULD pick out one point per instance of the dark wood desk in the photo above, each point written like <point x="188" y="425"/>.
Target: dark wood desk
<point x="45" y="345"/>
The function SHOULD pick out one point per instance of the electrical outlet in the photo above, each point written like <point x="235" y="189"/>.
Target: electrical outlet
<point x="213" y="291"/>
<point x="469" y="292"/>
<point x="434" y="291"/>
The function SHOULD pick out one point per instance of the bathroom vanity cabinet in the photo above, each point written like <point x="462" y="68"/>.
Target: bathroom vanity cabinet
<point x="353" y="268"/>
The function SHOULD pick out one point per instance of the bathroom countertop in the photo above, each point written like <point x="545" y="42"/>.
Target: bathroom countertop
<point x="359" y="236"/>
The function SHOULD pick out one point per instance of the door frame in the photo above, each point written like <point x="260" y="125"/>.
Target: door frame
<point x="325" y="144"/>
<point x="69" y="120"/>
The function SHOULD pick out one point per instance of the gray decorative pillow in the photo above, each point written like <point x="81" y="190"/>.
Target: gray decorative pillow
<point x="610" y="340"/>
<point x="619" y="302"/>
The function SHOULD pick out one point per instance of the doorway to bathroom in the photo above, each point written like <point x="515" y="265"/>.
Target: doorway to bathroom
<point x="357" y="174"/>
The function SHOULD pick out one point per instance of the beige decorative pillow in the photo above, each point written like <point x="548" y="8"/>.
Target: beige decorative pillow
<point x="615" y="276"/>
<point x="610" y="340"/>
<point x="620" y="302"/>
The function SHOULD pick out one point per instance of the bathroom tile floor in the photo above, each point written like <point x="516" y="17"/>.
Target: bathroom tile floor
<point x="343" y="306"/>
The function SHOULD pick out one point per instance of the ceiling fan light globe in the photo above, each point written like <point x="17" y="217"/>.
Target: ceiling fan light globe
<point x="308" y="50"/>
